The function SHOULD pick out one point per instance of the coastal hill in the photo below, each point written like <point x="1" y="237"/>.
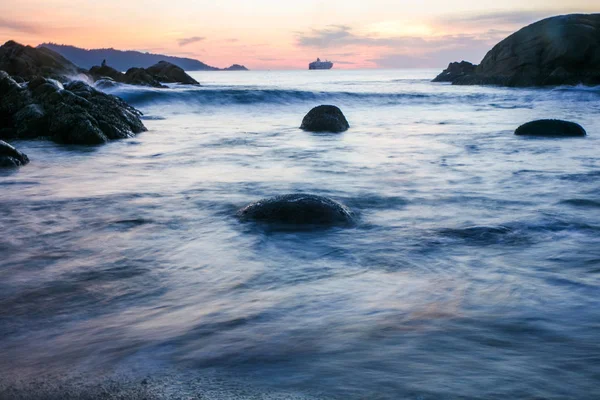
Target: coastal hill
<point x="561" y="50"/>
<point x="123" y="60"/>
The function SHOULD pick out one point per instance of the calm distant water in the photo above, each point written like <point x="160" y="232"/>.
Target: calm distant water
<point x="473" y="272"/>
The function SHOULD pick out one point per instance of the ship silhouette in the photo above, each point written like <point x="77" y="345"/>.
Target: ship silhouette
<point x="320" y="64"/>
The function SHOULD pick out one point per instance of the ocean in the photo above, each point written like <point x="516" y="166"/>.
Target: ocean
<point x="473" y="271"/>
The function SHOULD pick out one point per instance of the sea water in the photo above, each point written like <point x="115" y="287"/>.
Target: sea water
<point x="473" y="270"/>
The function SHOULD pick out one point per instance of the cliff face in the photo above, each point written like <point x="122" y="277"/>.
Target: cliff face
<point x="562" y="50"/>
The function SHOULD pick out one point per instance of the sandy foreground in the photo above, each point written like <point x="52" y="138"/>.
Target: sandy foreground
<point x="173" y="385"/>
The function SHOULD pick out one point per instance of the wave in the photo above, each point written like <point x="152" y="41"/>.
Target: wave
<point x="228" y="95"/>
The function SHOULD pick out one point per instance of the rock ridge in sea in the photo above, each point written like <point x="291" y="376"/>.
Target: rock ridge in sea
<point x="154" y="76"/>
<point x="560" y="50"/>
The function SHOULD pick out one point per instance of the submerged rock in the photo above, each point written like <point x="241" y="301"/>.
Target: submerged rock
<point x="325" y="118"/>
<point x="75" y="113"/>
<point x="11" y="157"/>
<point x="550" y="128"/>
<point x="297" y="209"/>
<point x="170" y="73"/>
<point x="561" y="50"/>
<point x="27" y="62"/>
<point x="455" y="70"/>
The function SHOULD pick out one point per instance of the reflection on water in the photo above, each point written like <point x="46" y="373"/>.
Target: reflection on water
<point x="473" y="271"/>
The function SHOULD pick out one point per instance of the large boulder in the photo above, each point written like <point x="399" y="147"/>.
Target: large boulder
<point x="561" y="50"/>
<point x="27" y="62"/>
<point x="325" y="118"/>
<point x="166" y="72"/>
<point x="454" y="71"/>
<point x="104" y="71"/>
<point x="550" y="128"/>
<point x="139" y="76"/>
<point x="297" y="209"/>
<point x="11" y="157"/>
<point x="75" y="113"/>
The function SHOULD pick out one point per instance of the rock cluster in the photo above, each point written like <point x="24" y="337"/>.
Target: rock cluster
<point x="75" y="113"/>
<point x="154" y="76"/>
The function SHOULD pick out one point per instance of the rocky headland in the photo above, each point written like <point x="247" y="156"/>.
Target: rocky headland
<point x="561" y="50"/>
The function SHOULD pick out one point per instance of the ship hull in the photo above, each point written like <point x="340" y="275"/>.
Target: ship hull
<point x="321" y="65"/>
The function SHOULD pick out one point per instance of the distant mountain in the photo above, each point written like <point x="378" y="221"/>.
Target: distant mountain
<point x="236" y="67"/>
<point x="123" y="60"/>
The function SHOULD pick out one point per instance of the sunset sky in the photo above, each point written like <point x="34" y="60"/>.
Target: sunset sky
<point x="284" y="34"/>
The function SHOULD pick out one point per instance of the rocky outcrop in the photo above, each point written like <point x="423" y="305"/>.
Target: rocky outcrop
<point x="170" y="73"/>
<point x="562" y="50"/>
<point x="325" y="118"/>
<point x="550" y="128"/>
<point x="28" y="62"/>
<point x="236" y="67"/>
<point x="11" y="157"/>
<point x="75" y="113"/>
<point x="297" y="209"/>
<point x="454" y="71"/>
<point x="133" y="76"/>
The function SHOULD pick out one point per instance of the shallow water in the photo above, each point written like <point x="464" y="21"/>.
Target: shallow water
<point x="473" y="270"/>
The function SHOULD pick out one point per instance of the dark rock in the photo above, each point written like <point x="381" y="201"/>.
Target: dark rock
<point x="75" y="113"/>
<point x="297" y="209"/>
<point x="104" y="71"/>
<point x="325" y="119"/>
<point x="11" y="157"/>
<point x="30" y="122"/>
<point x="550" y="128"/>
<point x="455" y="70"/>
<point x="27" y="62"/>
<point x="236" y="67"/>
<point x="139" y="76"/>
<point x="170" y="73"/>
<point x="561" y="50"/>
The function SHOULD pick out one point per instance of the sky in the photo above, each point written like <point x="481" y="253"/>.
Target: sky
<point x="284" y="34"/>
